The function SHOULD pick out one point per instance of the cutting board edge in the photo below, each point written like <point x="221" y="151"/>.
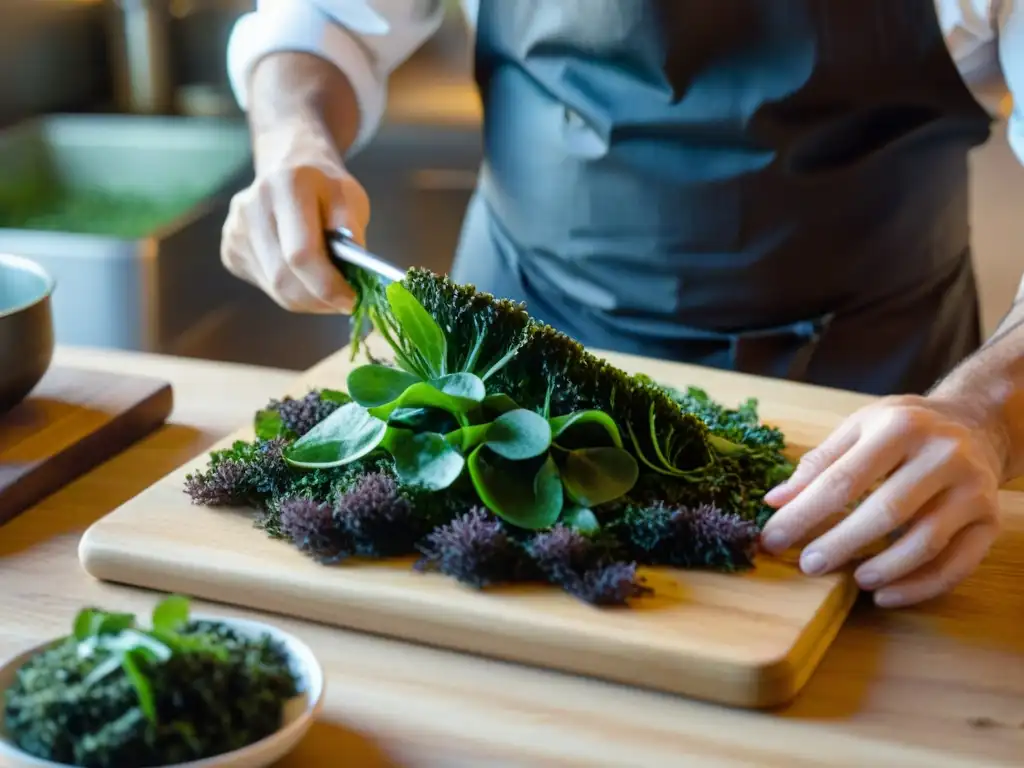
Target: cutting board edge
<point x="757" y="684"/>
<point x="811" y="646"/>
<point x="120" y="433"/>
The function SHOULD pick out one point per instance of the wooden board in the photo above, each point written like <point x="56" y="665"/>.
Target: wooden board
<point x="74" y="420"/>
<point x="749" y="640"/>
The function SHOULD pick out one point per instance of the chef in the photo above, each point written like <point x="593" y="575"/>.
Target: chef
<point x="778" y="187"/>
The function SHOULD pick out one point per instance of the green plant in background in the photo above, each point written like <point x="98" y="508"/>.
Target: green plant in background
<point x="54" y="208"/>
<point x="113" y="693"/>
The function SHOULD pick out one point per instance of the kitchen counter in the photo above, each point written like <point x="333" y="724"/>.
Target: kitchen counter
<point x="942" y="685"/>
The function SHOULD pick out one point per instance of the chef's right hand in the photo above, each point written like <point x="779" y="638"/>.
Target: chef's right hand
<point x="274" y="233"/>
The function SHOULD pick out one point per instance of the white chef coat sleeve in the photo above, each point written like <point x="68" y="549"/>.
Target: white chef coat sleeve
<point x="1009" y="20"/>
<point x="365" y="39"/>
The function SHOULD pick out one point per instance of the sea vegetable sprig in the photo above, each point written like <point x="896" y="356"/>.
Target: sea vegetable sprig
<point x="546" y="371"/>
<point x="438" y="426"/>
<point x="750" y="455"/>
<point x="125" y="646"/>
<point x="543" y="369"/>
<point x="538" y="366"/>
<point x="113" y="693"/>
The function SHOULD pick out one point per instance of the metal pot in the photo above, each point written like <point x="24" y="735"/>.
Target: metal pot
<point x="26" y="328"/>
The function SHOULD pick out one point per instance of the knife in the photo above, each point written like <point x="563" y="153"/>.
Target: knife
<point x="343" y="248"/>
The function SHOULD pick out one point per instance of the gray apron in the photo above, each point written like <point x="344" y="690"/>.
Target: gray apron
<point x="777" y="187"/>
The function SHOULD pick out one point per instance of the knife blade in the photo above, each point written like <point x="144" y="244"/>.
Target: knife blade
<point x="342" y="247"/>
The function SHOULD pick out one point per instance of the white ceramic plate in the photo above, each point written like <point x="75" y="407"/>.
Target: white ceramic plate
<point x="299" y="713"/>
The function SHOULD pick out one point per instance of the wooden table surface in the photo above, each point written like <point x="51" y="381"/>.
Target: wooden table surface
<point x="941" y="685"/>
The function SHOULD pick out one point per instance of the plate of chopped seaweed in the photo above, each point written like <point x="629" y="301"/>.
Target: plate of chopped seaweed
<point x="186" y="692"/>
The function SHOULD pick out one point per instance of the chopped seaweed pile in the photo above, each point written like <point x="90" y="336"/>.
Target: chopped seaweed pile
<point x="114" y="694"/>
<point x="497" y="450"/>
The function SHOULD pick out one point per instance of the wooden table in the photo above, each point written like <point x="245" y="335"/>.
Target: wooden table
<point x="941" y="685"/>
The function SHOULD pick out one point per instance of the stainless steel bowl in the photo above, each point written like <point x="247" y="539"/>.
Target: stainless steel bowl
<point x="26" y="327"/>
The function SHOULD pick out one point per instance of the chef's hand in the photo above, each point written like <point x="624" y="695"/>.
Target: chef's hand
<point x="939" y="473"/>
<point x="274" y="233"/>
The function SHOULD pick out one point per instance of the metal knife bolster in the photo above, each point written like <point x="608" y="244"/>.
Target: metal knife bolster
<point x="344" y="248"/>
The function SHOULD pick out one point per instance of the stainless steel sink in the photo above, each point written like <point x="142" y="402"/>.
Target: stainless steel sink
<point x="156" y="290"/>
<point x="167" y="292"/>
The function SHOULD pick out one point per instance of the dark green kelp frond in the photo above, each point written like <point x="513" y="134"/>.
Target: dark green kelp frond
<point x="547" y="371"/>
<point x="484" y="332"/>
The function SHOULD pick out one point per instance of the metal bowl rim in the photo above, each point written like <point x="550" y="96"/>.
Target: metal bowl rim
<point x="27" y="265"/>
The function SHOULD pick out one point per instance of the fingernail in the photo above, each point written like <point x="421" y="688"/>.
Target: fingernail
<point x="869" y="579"/>
<point x="812" y="563"/>
<point x="775" y="541"/>
<point x="887" y="598"/>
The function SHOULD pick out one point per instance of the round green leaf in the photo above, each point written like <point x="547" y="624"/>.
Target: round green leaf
<point x="335" y="396"/>
<point x="91" y="622"/>
<point x="418" y="326"/>
<point x="595" y="476"/>
<point x="468" y="438"/>
<point x="533" y="503"/>
<point x="458" y="393"/>
<point x="423" y="420"/>
<point x="581" y="519"/>
<point x="500" y="403"/>
<point x="408" y="418"/>
<point x="465" y="386"/>
<point x="425" y="459"/>
<point x="171" y="613"/>
<point x="519" y="434"/>
<point x="268" y="424"/>
<point x="346" y="435"/>
<point x="373" y="385"/>
<point x="560" y="424"/>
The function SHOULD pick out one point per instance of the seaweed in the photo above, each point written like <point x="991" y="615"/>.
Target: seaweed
<point x="114" y="694"/>
<point x="498" y="450"/>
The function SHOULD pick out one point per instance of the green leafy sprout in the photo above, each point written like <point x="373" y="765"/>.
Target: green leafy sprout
<point x="133" y="649"/>
<point x="440" y="425"/>
<point x="114" y="693"/>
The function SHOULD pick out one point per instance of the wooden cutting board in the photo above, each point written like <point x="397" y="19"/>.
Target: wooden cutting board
<point x="73" y="420"/>
<point x="749" y="640"/>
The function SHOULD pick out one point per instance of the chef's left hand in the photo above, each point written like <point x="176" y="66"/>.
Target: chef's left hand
<point x="937" y="474"/>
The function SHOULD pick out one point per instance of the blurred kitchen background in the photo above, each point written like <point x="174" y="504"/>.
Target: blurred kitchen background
<point x="121" y="146"/>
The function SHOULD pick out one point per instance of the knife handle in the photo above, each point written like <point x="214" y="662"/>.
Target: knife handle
<point x="343" y="249"/>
